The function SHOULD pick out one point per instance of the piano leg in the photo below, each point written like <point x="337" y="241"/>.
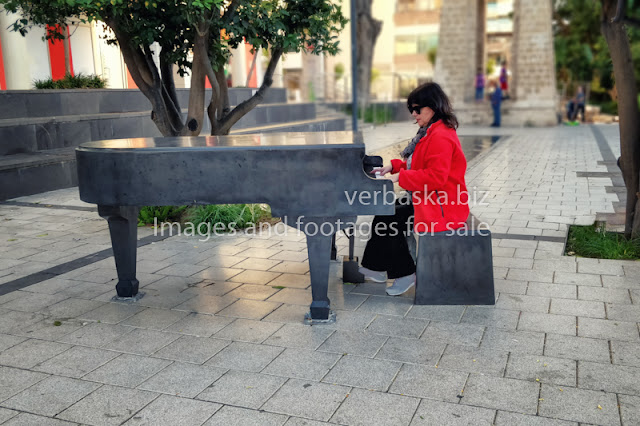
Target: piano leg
<point x="123" y="227"/>
<point x="319" y="249"/>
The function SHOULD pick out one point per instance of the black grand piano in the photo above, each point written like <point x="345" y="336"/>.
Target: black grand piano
<point x="312" y="179"/>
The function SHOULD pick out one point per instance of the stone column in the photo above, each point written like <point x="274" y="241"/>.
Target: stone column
<point x="239" y="65"/>
<point x="533" y="82"/>
<point x="458" y="50"/>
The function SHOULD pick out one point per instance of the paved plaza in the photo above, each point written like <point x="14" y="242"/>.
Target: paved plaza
<point x="218" y="337"/>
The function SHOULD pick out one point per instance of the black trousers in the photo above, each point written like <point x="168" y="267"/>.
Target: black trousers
<point x="387" y="249"/>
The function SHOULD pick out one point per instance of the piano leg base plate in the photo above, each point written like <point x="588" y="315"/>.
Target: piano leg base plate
<point x="132" y="299"/>
<point x="314" y="321"/>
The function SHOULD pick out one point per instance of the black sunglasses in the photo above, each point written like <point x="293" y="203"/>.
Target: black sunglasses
<point x="416" y="108"/>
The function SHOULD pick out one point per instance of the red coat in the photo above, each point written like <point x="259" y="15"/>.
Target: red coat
<point x="436" y="179"/>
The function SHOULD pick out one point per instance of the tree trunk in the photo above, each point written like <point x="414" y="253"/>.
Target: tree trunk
<point x="618" y="42"/>
<point x="67" y="53"/>
<point x="367" y="30"/>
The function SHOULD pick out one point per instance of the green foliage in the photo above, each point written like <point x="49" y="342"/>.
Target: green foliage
<point x="491" y="66"/>
<point x="149" y="214"/>
<point x="432" y="53"/>
<point x="375" y="75"/>
<point x="227" y="217"/>
<point x="377" y="115"/>
<point x="338" y="71"/>
<point x="594" y="241"/>
<point x="78" y="81"/>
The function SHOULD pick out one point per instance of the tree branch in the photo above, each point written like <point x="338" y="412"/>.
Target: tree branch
<point x="166" y="70"/>
<point x="244" y="107"/>
<point x="619" y="12"/>
<point x="231" y="10"/>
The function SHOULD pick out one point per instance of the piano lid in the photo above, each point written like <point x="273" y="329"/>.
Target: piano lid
<point x="266" y="140"/>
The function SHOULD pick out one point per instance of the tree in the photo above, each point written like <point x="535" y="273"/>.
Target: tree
<point x="207" y="28"/>
<point x="367" y="30"/>
<point x="613" y="24"/>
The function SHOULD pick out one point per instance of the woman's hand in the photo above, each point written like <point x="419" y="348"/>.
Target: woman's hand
<point x="382" y="170"/>
<point x="394" y="178"/>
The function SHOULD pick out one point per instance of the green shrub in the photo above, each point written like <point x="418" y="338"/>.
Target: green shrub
<point x="78" y="81"/>
<point x="231" y="216"/>
<point x="594" y="241"/>
<point x="148" y="214"/>
<point x="377" y="115"/>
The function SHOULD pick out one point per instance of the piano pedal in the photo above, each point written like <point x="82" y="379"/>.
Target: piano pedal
<point x="350" y="273"/>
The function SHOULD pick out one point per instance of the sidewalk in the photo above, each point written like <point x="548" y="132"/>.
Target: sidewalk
<point x="218" y="337"/>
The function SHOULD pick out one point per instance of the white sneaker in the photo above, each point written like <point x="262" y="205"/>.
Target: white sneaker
<point x="375" y="276"/>
<point x="401" y="285"/>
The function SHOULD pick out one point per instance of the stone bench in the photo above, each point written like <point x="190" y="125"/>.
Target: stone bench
<point x="455" y="267"/>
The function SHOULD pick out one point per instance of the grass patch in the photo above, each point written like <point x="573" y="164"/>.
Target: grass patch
<point x="594" y="241"/>
<point x="78" y="81"/>
<point x="148" y="214"/>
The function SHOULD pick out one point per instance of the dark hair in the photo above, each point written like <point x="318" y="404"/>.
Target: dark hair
<point x="431" y="95"/>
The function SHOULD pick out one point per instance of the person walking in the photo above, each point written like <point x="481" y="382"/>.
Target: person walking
<point x="496" y="100"/>
<point x="432" y="171"/>
<point x="480" y="83"/>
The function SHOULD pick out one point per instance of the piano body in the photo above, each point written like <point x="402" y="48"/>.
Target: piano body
<point x="309" y="178"/>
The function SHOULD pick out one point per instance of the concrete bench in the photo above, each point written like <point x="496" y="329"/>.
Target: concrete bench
<point x="455" y="268"/>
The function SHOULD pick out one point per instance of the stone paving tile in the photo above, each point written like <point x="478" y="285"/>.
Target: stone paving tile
<point x="50" y="286"/>
<point x="6" y="414"/>
<point x="581" y="279"/>
<point x="603" y="294"/>
<point x="610" y="281"/>
<point x="542" y="369"/>
<point x="82" y="290"/>
<point x="364" y="407"/>
<point x="7" y="341"/>
<point x="505" y="418"/>
<point x="182" y="270"/>
<point x="221" y="261"/>
<point x="526" y="342"/>
<point x="474" y="360"/>
<point x="30" y="353"/>
<point x="398" y="326"/>
<point x="442" y="413"/>
<point x="463" y="334"/>
<point x="510" y="286"/>
<point x="243" y="389"/>
<point x="255" y="277"/>
<point x="548" y="323"/>
<point x="127" y="370"/>
<point x="579" y="405"/>
<point x="502" y="394"/>
<point x="372" y="374"/>
<point x="234" y="416"/>
<point x="192" y="349"/>
<point x="206" y="304"/>
<point x="250" y="331"/>
<point x="302" y="364"/>
<point x="578" y="348"/>
<point x="294" y="296"/>
<point x="608" y="329"/>
<point x="488" y="316"/>
<point x="173" y="410"/>
<point x="108" y="405"/>
<point x="111" y="313"/>
<point x="25" y="419"/>
<point x="48" y="330"/>
<point x="76" y="362"/>
<point x="180" y="379"/>
<point x="346" y="301"/>
<point x="292" y="314"/>
<point x="51" y="395"/>
<point x="291" y="280"/>
<point x="598" y="266"/>
<point x="297" y="421"/>
<point x="300" y="336"/>
<point x="199" y="325"/>
<point x="623" y="312"/>
<point x="154" y="319"/>
<point x="13" y="381"/>
<point x="581" y="308"/>
<point x="625" y="353"/>
<point x="216" y="273"/>
<point x="544" y="276"/>
<point x="523" y="303"/>
<point x="609" y="378"/>
<point x="354" y="343"/>
<point x="249" y="309"/>
<point x="437" y="313"/>
<point x="291" y="267"/>
<point x="552" y="290"/>
<point x="411" y="350"/>
<point x="386" y="305"/>
<point x="350" y="321"/>
<point x="33" y="302"/>
<point x="255" y="292"/>
<point x="429" y="382"/>
<point x="629" y="409"/>
<point x="245" y="356"/>
<point x="95" y="334"/>
<point x="141" y="342"/>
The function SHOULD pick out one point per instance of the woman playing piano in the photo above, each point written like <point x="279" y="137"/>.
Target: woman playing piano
<point x="432" y="172"/>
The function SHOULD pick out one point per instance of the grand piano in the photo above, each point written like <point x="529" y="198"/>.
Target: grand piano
<point x="310" y="179"/>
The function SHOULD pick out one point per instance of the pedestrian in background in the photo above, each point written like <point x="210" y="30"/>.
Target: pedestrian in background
<point x="496" y="100"/>
<point x="504" y="80"/>
<point x="480" y="83"/>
